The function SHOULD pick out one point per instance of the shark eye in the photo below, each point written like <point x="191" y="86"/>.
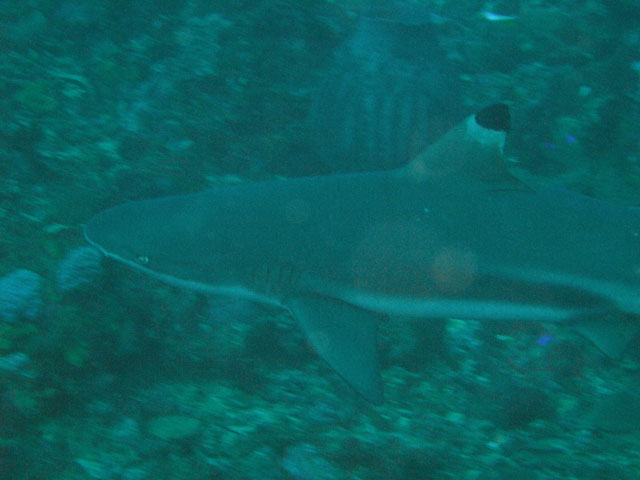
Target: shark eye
<point x="142" y="259"/>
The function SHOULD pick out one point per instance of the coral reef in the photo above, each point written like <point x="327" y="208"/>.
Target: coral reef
<point x="79" y="269"/>
<point x="20" y="296"/>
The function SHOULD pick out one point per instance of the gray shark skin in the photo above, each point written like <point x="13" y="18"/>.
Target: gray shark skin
<point x="452" y="234"/>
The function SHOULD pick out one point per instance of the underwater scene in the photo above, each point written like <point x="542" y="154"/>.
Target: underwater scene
<point x="320" y="239"/>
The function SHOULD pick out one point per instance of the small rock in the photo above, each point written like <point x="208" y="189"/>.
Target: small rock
<point x="174" y="427"/>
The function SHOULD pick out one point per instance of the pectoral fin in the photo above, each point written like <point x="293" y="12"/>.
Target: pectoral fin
<point x="611" y="336"/>
<point x="345" y="336"/>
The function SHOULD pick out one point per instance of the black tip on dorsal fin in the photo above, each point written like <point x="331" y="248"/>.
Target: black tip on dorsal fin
<point x="495" y="117"/>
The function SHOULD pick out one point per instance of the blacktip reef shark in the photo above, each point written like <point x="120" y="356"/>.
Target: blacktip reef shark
<point x="450" y="235"/>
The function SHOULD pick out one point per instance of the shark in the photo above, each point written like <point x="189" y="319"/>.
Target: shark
<point x="452" y="234"/>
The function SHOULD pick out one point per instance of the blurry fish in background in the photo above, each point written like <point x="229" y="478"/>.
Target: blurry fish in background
<point x="387" y="93"/>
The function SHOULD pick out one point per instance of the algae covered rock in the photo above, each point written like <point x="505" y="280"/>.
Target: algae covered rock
<point x="174" y="427"/>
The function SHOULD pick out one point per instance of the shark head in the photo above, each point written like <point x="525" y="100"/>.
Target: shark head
<point x="131" y="233"/>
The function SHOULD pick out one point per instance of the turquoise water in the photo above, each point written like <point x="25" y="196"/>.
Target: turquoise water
<point x="109" y="374"/>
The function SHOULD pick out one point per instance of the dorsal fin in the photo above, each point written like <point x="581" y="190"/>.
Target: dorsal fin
<point x="495" y="117"/>
<point x="472" y="149"/>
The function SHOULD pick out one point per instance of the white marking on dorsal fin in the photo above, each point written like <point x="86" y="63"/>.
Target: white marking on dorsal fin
<point x="472" y="149"/>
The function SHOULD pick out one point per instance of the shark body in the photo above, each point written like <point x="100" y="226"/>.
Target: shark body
<point x="452" y="234"/>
